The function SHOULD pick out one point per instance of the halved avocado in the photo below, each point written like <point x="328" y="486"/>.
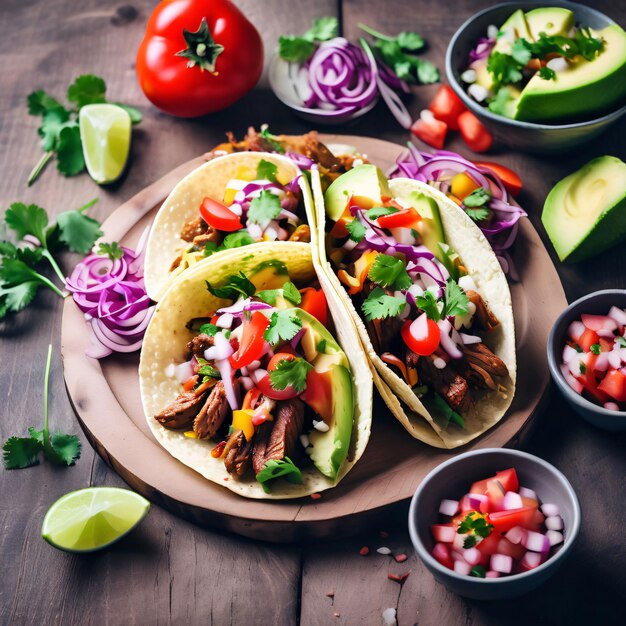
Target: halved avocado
<point x="585" y="88"/>
<point x="585" y="213"/>
<point x="550" y="20"/>
<point x="365" y="182"/>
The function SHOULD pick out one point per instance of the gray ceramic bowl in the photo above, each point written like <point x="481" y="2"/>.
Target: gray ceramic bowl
<point x="283" y="88"/>
<point x="597" y="303"/>
<point x="453" y="478"/>
<point x="527" y="136"/>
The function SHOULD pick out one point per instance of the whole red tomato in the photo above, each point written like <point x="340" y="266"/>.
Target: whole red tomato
<point x="198" y="56"/>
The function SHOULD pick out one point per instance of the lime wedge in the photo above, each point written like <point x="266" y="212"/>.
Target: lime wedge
<point x="105" y="131"/>
<point x="92" y="518"/>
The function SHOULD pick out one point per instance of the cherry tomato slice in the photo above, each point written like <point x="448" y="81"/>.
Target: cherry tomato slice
<point x="428" y="335"/>
<point x="314" y="303"/>
<point x="447" y="106"/>
<point x="475" y="135"/>
<point x="509" y="178"/>
<point x="275" y="394"/>
<point x="614" y="385"/>
<point x="432" y="132"/>
<point x="277" y="358"/>
<point x="404" y="218"/>
<point x="219" y="216"/>
<point x="587" y="339"/>
<point x="252" y="341"/>
<point x="251" y="398"/>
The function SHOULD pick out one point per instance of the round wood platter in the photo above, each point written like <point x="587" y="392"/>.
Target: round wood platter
<point x="105" y="396"/>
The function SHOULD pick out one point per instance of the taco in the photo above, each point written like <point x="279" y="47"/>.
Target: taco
<point x="232" y="201"/>
<point x="428" y="299"/>
<point x="252" y="375"/>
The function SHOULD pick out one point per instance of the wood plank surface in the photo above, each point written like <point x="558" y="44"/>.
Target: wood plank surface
<point x="169" y="571"/>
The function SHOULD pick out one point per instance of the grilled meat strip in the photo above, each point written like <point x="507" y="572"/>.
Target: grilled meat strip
<point x="302" y="233"/>
<point x="237" y="453"/>
<point x="485" y="319"/>
<point x="211" y="416"/>
<point x="198" y="232"/>
<point x="277" y="439"/>
<point x="450" y="385"/>
<point x="181" y="412"/>
<point x="482" y="365"/>
<point x="199" y="344"/>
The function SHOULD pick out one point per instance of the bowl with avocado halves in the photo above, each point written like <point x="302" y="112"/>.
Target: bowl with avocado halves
<point x="542" y="78"/>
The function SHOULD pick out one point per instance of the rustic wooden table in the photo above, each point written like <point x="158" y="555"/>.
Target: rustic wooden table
<point x="169" y="571"/>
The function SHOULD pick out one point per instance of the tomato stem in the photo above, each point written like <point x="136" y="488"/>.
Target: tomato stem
<point x="201" y="50"/>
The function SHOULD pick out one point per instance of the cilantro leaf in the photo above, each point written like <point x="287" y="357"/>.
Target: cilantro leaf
<point x="53" y="121"/>
<point x="112" y="250"/>
<point x="39" y="102"/>
<point x="379" y="305"/>
<point x="264" y="208"/>
<point x="210" y="247"/>
<point x="389" y="271"/>
<point x="583" y="368"/>
<point x="290" y="374"/>
<point x="283" y="468"/>
<point x="456" y="300"/>
<point x="427" y="73"/>
<point x="520" y="51"/>
<point x="291" y="293"/>
<point x="428" y="303"/>
<point x="78" y="231"/>
<point x="268" y="295"/>
<point x="87" y="89"/>
<point x="466" y="524"/>
<point x="266" y="170"/>
<point x="207" y="370"/>
<point x="236" y="240"/>
<point x="356" y="230"/>
<point x="410" y="41"/>
<point x="379" y="211"/>
<point x="70" y="160"/>
<point x="503" y="103"/>
<point x="237" y="285"/>
<point x="14" y="299"/>
<point x="284" y="325"/>
<point x="295" y="49"/>
<point x="321" y="346"/>
<point x="323" y="29"/>
<point x="65" y="449"/>
<point x="27" y="220"/>
<point x="470" y="541"/>
<point x="478" y="571"/>
<point x="209" y="329"/>
<point x="479" y="214"/>
<point x="547" y="73"/>
<point x="504" y="68"/>
<point x="271" y="139"/>
<point x="20" y="452"/>
<point x="13" y="272"/>
<point x="478" y="197"/>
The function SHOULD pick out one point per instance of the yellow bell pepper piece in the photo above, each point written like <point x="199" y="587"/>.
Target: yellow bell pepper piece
<point x="190" y="434"/>
<point x="462" y="185"/>
<point x="242" y="420"/>
<point x="361" y="268"/>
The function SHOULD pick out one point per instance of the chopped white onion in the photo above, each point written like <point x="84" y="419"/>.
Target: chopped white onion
<point x="258" y="374"/>
<point x="449" y="507"/>
<point x="492" y="31"/>
<point x="470" y="339"/>
<point x="516" y="534"/>
<point x="321" y="426"/>
<point x="511" y="501"/>
<point x="531" y="560"/>
<point x="501" y="563"/>
<point x="575" y="330"/>
<point x="225" y="320"/>
<point x="183" y="372"/>
<point x="527" y="493"/>
<point x="492" y="574"/>
<point x="427" y="116"/>
<point x="472" y="556"/>
<point x="235" y="207"/>
<point x="554" y="522"/>
<point x="467" y="283"/>
<point x="619" y="315"/>
<point x="305" y="441"/>
<point x="383" y="550"/>
<point x="478" y="92"/>
<point x="462" y="567"/>
<point x="469" y="76"/>
<point x="246" y="382"/>
<point x="536" y="542"/>
<point x="611" y="406"/>
<point x="439" y="363"/>
<point x="558" y="64"/>
<point x="554" y="537"/>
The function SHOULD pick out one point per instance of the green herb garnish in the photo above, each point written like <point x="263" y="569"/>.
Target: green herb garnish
<point x="237" y="285"/>
<point x="284" y="325"/>
<point x="478" y="571"/>
<point x="266" y="170"/>
<point x="112" y="250"/>
<point x="264" y="208"/>
<point x="379" y="305"/>
<point x="388" y="271"/>
<point x="291" y="373"/>
<point x="209" y="329"/>
<point x="595" y="348"/>
<point x="379" y="211"/>
<point x="583" y="368"/>
<point x="284" y="468"/>
<point x="475" y="525"/>
<point x="356" y="230"/>
<point x="298" y="49"/>
<point x="478" y="198"/>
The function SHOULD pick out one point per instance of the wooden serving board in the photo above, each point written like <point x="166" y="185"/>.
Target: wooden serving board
<point x="105" y="397"/>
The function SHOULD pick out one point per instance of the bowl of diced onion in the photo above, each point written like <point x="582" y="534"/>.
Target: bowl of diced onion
<point x="591" y="372"/>
<point x="542" y="138"/>
<point x="494" y="486"/>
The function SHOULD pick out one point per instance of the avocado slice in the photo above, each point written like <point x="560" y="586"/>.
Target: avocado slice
<point x="585" y="213"/>
<point x="550" y="20"/>
<point x="585" y="88"/>
<point x="272" y="274"/>
<point x="330" y="448"/>
<point x="366" y="182"/>
<point x="432" y="231"/>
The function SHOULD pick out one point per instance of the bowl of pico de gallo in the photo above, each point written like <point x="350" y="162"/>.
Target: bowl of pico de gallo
<point x="587" y="357"/>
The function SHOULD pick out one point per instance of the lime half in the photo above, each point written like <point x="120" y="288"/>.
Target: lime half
<point x="92" y="518"/>
<point x="105" y="131"/>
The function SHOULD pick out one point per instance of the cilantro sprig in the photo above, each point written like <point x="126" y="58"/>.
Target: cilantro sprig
<point x="389" y="271"/>
<point x="379" y="305"/>
<point x="291" y="373"/>
<point x="57" y="447"/>
<point x="474" y="526"/>
<point x="20" y="275"/>
<point x="112" y="250"/>
<point x="299" y="48"/>
<point x="399" y="53"/>
<point x="284" y="325"/>
<point x="59" y="131"/>
<point x="237" y="285"/>
<point x="266" y="170"/>
<point x="237" y="239"/>
<point x="454" y="302"/>
<point x="288" y="291"/>
<point x="264" y="208"/>
<point x="284" y="468"/>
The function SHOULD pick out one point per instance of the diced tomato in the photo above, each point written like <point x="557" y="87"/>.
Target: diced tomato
<point x="475" y="135"/>
<point x="443" y="533"/>
<point x="441" y="552"/>
<point x="447" y="106"/>
<point x="252" y="342"/>
<point x="513" y="550"/>
<point x="314" y="303"/>
<point x="277" y="358"/>
<point x="430" y="131"/>
<point x="505" y="520"/>
<point x="405" y="218"/>
<point x="480" y="487"/>
<point x="614" y="385"/>
<point x="251" y="398"/>
<point x="318" y="394"/>
<point x="489" y="544"/>
<point x="219" y="216"/>
<point x="339" y="227"/>
<point x="509" y="178"/>
<point x="588" y="379"/>
<point x="190" y="383"/>
<point x="538" y="519"/>
<point x="587" y="339"/>
<point x="275" y="394"/>
<point x="495" y="493"/>
<point x="508" y="479"/>
<point x="422" y="341"/>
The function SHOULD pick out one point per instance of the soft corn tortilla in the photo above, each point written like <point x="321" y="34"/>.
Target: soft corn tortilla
<point x="208" y="180"/>
<point x="165" y="340"/>
<point x="466" y="239"/>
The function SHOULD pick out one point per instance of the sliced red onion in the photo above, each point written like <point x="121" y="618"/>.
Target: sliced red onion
<point x="469" y="340"/>
<point x="223" y="349"/>
<point x="297" y="338"/>
<point x="501" y="563"/>
<point x="301" y="161"/>
<point x="449" y="507"/>
<point x="394" y="104"/>
<point x="619" y="315"/>
<point x="258" y="374"/>
<point x="246" y="382"/>
<point x="479" y="502"/>
<point x="446" y="341"/>
<point x="482" y="50"/>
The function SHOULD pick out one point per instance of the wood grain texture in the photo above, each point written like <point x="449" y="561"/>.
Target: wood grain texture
<point x="169" y="571"/>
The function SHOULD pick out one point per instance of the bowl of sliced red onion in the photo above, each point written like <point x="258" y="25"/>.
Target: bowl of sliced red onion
<point x="494" y="523"/>
<point x="587" y="357"/>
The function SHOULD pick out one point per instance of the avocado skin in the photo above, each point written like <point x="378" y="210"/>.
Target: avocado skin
<point x="608" y="229"/>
